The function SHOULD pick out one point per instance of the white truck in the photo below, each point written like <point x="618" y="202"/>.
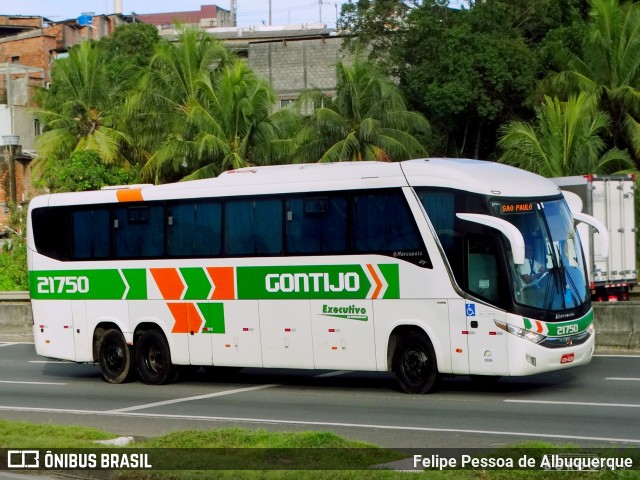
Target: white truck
<point x="610" y="199"/>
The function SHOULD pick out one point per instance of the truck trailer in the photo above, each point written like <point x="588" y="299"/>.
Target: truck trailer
<point x="610" y="199"/>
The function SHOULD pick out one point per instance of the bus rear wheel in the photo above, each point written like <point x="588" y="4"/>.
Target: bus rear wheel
<point x="115" y="357"/>
<point x="153" y="359"/>
<point x="414" y="363"/>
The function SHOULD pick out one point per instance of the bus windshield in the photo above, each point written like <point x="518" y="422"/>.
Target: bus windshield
<point x="553" y="274"/>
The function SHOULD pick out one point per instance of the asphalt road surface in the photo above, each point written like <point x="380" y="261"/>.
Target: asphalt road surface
<point x="595" y="405"/>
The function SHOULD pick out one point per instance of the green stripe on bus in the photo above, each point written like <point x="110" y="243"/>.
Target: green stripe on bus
<point x="314" y="282"/>
<point x="88" y="284"/>
<point x="563" y="328"/>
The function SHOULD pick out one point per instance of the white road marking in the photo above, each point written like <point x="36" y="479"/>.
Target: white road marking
<point x="50" y="361"/>
<point x="334" y="374"/>
<point x="32" y="383"/>
<point x="320" y="424"/>
<point x="623" y="379"/>
<point x="617" y="356"/>
<point x="583" y="404"/>
<point x="8" y="344"/>
<point x="189" y="399"/>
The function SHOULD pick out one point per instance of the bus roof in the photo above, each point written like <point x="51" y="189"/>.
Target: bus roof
<point x="477" y="176"/>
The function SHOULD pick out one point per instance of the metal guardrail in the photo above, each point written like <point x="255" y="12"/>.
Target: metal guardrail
<point x="20" y="296"/>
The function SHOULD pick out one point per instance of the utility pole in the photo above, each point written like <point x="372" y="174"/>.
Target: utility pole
<point x="320" y="9"/>
<point x="269" y="12"/>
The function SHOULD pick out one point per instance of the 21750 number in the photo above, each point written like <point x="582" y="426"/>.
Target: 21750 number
<point x="61" y="284"/>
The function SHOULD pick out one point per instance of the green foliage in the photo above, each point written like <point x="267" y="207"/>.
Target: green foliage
<point x="83" y="171"/>
<point x="205" y="112"/>
<point x="29" y="435"/>
<point x="128" y="51"/>
<point x="608" y="65"/>
<point x="80" y="111"/>
<point x="367" y="120"/>
<point x="566" y="139"/>
<point x="467" y="70"/>
<point x="13" y="253"/>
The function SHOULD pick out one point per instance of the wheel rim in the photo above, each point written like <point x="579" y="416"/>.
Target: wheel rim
<point x="154" y="359"/>
<point x="114" y="357"/>
<point x="414" y="364"/>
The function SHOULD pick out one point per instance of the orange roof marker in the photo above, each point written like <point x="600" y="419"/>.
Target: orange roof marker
<point x="130" y="195"/>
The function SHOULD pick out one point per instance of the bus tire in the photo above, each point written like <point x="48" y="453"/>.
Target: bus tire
<point x="414" y="363"/>
<point x="153" y="359"/>
<point x="115" y="357"/>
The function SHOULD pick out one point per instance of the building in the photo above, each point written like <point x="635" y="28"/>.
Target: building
<point x="28" y="47"/>
<point x="209" y="16"/>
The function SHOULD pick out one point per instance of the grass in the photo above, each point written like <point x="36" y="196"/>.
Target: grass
<point x="274" y="456"/>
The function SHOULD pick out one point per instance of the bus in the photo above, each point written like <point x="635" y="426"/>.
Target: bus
<point x="414" y="267"/>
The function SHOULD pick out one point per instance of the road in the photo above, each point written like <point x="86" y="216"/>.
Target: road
<point x="596" y="405"/>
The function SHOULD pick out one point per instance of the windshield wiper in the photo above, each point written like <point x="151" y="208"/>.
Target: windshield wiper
<point x="575" y="294"/>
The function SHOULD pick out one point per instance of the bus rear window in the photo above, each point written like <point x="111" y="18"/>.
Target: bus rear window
<point x="50" y="227"/>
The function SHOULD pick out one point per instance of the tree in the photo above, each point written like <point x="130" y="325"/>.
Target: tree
<point x="13" y="252"/>
<point x="128" y="51"/>
<point x="609" y="67"/>
<point x="467" y="69"/>
<point x="367" y="120"/>
<point x="172" y="81"/>
<point x="229" y="124"/>
<point x="85" y="171"/>
<point x="566" y="139"/>
<point x="80" y="111"/>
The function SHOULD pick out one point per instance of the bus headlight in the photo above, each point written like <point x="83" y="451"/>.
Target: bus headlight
<point x="520" y="332"/>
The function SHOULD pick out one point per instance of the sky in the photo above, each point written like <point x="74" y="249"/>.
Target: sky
<point x="250" y="12"/>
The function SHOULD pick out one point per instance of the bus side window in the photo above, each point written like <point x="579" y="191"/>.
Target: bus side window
<point x="91" y="239"/>
<point x="483" y="278"/>
<point x="138" y="231"/>
<point x="316" y="224"/>
<point x="253" y="227"/>
<point x="194" y="229"/>
<point x="382" y="222"/>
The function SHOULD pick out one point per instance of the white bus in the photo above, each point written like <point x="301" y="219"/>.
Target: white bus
<point x="413" y="267"/>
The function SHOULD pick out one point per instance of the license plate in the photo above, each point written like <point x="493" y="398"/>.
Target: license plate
<point x="567" y="358"/>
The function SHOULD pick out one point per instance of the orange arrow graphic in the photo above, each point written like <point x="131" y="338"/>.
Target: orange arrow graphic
<point x="224" y="282"/>
<point x="169" y="282"/>
<point x="376" y="279"/>
<point x="179" y="312"/>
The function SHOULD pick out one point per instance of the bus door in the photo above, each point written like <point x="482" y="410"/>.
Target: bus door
<point x="486" y="343"/>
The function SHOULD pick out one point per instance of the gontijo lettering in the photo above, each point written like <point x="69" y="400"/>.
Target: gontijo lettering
<point x="312" y="282"/>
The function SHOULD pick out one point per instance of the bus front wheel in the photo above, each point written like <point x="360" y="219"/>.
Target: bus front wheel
<point x="153" y="359"/>
<point x="115" y="357"/>
<point x="414" y="363"/>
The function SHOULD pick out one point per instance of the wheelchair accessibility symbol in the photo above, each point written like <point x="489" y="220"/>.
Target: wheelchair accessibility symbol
<point x="471" y="310"/>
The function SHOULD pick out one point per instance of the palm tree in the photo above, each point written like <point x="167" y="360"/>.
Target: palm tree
<point x="230" y="124"/>
<point x="172" y="82"/>
<point x="367" y="120"/>
<point x="565" y="140"/>
<point x="86" y="119"/>
<point x="609" y="67"/>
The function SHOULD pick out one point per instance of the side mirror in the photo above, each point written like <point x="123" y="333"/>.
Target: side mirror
<point x="575" y="205"/>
